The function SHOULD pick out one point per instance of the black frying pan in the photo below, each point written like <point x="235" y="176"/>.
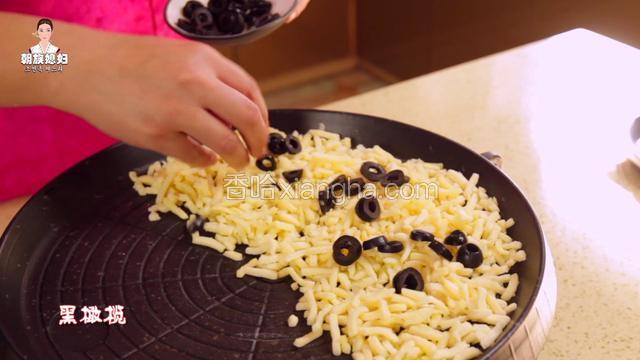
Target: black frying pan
<point x="84" y="239"/>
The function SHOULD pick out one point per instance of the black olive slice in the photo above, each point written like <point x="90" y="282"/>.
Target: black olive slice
<point x="408" y="278"/>
<point x="292" y="144"/>
<point x="338" y="186"/>
<point x="372" y="171"/>
<point x="368" y="208"/>
<point x="374" y="242"/>
<point x="292" y="175"/>
<point x="238" y="4"/>
<point x="276" y="144"/>
<point x="326" y="201"/>
<point x="266" y="163"/>
<point x="218" y="6"/>
<point x="226" y="21"/>
<point x="207" y="30"/>
<point x="249" y="20"/>
<point x="421" y="235"/>
<point x="391" y="247"/>
<point x="259" y="8"/>
<point x="346" y="250"/>
<point x="355" y="186"/>
<point x="189" y="7"/>
<point x="394" y="177"/>
<point x="441" y="250"/>
<point x="239" y="23"/>
<point x="186" y="25"/>
<point x="201" y="17"/>
<point x="456" y="238"/>
<point x="469" y="255"/>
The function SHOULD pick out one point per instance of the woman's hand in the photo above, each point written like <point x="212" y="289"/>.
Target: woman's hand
<point x="180" y="98"/>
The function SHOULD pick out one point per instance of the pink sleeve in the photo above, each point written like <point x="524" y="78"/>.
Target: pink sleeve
<point x="35" y="142"/>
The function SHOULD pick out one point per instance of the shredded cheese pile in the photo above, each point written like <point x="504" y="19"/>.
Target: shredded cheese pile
<point x="460" y="311"/>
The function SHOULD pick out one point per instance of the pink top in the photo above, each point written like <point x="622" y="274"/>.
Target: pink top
<point x="38" y="143"/>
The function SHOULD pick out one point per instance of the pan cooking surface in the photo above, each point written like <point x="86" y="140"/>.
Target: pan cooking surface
<point x="85" y="240"/>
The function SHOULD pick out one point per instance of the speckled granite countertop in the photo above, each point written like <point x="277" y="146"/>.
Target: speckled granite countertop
<point x="559" y="111"/>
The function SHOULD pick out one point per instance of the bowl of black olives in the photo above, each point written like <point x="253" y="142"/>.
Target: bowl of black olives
<point x="227" y="22"/>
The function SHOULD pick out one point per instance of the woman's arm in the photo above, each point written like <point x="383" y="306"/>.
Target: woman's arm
<point x="166" y="95"/>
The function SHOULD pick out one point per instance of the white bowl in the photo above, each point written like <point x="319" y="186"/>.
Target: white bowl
<point x="635" y="137"/>
<point x="173" y="12"/>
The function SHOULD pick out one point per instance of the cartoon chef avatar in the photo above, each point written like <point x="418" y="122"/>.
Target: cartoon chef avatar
<point x="43" y="32"/>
